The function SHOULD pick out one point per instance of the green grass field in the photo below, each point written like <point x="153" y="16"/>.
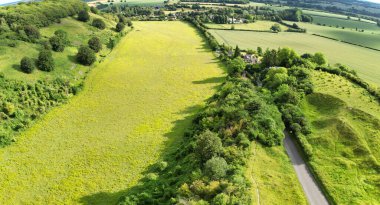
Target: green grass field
<point x="345" y="139"/>
<point x="351" y="24"/>
<point x="367" y="39"/>
<point x="65" y="65"/>
<point x="334" y="15"/>
<point x="134" y="106"/>
<point x="364" y="61"/>
<point x="258" y="25"/>
<point x="271" y="173"/>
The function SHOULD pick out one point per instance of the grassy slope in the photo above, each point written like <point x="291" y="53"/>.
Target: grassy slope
<point x="351" y="24"/>
<point x="272" y="173"/>
<point x="346" y="139"/>
<point x="258" y="25"/>
<point x="98" y="144"/>
<point x="364" y="61"/>
<point x="348" y="35"/>
<point x="78" y="33"/>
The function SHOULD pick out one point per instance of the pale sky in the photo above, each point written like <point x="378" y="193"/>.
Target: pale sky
<point x="8" y="1"/>
<point x="375" y="1"/>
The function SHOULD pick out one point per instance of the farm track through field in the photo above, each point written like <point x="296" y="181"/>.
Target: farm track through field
<point x="135" y="106"/>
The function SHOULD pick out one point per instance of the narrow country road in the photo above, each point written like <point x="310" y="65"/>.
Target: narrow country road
<point x="312" y="191"/>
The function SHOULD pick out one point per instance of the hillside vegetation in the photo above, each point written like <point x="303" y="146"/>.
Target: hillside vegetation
<point x="39" y="45"/>
<point x="345" y="139"/>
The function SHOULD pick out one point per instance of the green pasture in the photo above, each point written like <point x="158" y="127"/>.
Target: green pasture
<point x="365" y="61"/>
<point x="134" y="106"/>
<point x="349" y="24"/>
<point x="258" y="25"/>
<point x="367" y="39"/>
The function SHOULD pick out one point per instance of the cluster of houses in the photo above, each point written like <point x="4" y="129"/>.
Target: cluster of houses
<point x="236" y="20"/>
<point x="248" y="58"/>
<point x="251" y="58"/>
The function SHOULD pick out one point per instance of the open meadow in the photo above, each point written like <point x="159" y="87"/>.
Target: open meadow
<point x="367" y="39"/>
<point x="345" y="139"/>
<point x="258" y="26"/>
<point x="365" y="61"/>
<point x="134" y="107"/>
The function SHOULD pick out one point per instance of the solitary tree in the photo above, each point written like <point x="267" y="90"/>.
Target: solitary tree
<point x="27" y="65"/>
<point x="57" y="44"/>
<point x="62" y="35"/>
<point x="95" y="44"/>
<point x="319" y="59"/>
<point x="45" y="61"/>
<point x="83" y="16"/>
<point x="86" y="55"/>
<point x="276" y="27"/>
<point x="99" y="23"/>
<point x="237" y="52"/>
<point x="259" y="51"/>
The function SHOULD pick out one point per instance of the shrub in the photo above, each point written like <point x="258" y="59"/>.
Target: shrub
<point x="27" y="65"/>
<point x="129" y="23"/>
<point x="83" y="16"/>
<point x="99" y="23"/>
<point x="221" y="199"/>
<point x="62" y="35"/>
<point x="236" y="66"/>
<point x="276" y="27"/>
<point x="319" y="59"/>
<point x="95" y="44"/>
<point x="216" y="168"/>
<point x="46" y="45"/>
<point x="9" y="108"/>
<point x="45" y="61"/>
<point x="208" y="145"/>
<point x="120" y="27"/>
<point x="57" y="44"/>
<point x="94" y="10"/>
<point x="86" y="55"/>
<point x="32" y="32"/>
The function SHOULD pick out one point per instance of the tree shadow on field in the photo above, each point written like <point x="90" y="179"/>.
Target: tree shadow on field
<point x="214" y="80"/>
<point x="16" y="67"/>
<point x="172" y="145"/>
<point x="72" y="58"/>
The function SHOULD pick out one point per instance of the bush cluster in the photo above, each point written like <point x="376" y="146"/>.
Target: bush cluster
<point x="22" y="102"/>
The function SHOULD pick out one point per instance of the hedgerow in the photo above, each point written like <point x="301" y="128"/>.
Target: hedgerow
<point x="209" y="165"/>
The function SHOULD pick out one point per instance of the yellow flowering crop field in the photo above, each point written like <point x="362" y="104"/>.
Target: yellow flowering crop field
<point x="134" y="107"/>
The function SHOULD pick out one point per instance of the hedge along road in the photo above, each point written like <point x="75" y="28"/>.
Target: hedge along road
<point x="135" y="102"/>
